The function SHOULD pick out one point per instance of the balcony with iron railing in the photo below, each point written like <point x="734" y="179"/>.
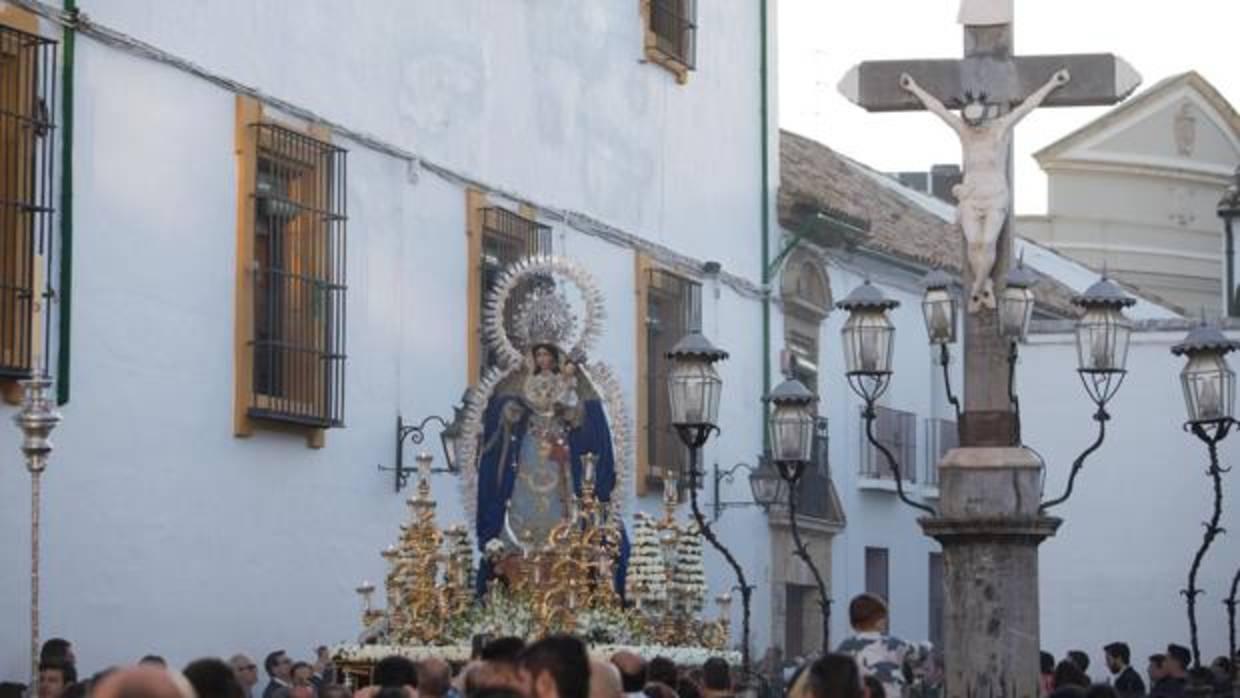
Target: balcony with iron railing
<point x="896" y="430"/>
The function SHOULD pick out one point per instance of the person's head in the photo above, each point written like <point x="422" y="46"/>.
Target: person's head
<point x="662" y="670"/>
<point x="301" y="673"/>
<point x="656" y="689"/>
<point x="143" y="682"/>
<point x="12" y="689"/>
<point x="1048" y="662"/>
<point x="54" y="677"/>
<point x="1157" y="668"/>
<point x="873" y="687"/>
<point x="546" y="358"/>
<point x="688" y="687"/>
<point x="1221" y="666"/>
<point x="605" y="680"/>
<point x="1079" y="658"/>
<point x="504" y="649"/>
<point x="490" y="676"/>
<point x="717" y="675"/>
<point x="1118" y="656"/>
<point x="434" y="678"/>
<point x="212" y="678"/>
<point x="632" y="670"/>
<point x="154" y="661"/>
<point x="556" y="667"/>
<point x="868" y="613"/>
<point x="834" y="676"/>
<point x="278" y="665"/>
<point x="1069" y="673"/>
<point x="395" y="671"/>
<point x="57" y="649"/>
<point x="1178" y="659"/>
<point x="394" y="692"/>
<point x="245" y="669"/>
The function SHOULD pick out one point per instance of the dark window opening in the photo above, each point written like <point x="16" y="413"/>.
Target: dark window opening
<point x="674" y="25"/>
<point x="673" y="308"/>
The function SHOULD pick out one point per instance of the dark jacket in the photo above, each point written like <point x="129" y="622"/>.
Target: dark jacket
<point x="1169" y="688"/>
<point x="1128" y="683"/>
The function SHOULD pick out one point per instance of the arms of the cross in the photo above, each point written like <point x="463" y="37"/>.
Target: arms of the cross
<point x="1099" y="79"/>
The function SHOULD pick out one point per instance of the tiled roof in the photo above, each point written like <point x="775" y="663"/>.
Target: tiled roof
<point x="903" y="223"/>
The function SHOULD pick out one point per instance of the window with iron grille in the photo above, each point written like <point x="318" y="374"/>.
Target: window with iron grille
<point x="507" y="238"/>
<point x="673" y="308"/>
<point x="299" y="279"/>
<point x="897" y="432"/>
<point x="672" y="31"/>
<point x="27" y="89"/>
<point x="941" y="437"/>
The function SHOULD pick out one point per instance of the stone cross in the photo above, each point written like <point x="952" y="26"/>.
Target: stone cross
<point x="989" y="73"/>
<point x="989" y="522"/>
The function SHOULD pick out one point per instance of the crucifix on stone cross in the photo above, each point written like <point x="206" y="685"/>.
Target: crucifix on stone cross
<point x="993" y="89"/>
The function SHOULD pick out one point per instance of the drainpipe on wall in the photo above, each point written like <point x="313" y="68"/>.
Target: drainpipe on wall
<point x="765" y="192"/>
<point x="66" y="208"/>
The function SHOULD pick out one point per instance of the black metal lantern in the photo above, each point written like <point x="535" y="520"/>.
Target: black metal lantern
<point x="1016" y="303"/>
<point x="767" y="486"/>
<point x="869" y="340"/>
<point x="450" y="437"/>
<point x="1209" y="383"/>
<point x="791" y="422"/>
<point x="1102" y="336"/>
<point x="940" y="307"/>
<point x="694" y="387"/>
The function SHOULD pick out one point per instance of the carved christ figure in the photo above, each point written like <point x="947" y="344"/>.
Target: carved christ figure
<point x="984" y="197"/>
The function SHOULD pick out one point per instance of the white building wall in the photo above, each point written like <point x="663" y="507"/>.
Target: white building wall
<point x="164" y="533"/>
<point x="1134" y="522"/>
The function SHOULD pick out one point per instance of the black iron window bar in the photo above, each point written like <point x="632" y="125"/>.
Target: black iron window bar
<point x="27" y="167"/>
<point x="674" y="24"/>
<point x="507" y="238"/>
<point x="299" y="279"/>
<point x="673" y="307"/>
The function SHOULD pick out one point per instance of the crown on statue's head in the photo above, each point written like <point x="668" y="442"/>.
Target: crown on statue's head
<point x="544" y="317"/>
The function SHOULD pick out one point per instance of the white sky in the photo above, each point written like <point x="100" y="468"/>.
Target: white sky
<point x="820" y="39"/>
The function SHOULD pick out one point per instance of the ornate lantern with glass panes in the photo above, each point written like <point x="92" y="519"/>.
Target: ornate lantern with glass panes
<point x="869" y="340"/>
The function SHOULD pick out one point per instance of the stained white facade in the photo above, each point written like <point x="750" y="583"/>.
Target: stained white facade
<point x="165" y="533"/>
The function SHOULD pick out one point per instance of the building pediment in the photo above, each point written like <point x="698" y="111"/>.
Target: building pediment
<point x="1182" y="125"/>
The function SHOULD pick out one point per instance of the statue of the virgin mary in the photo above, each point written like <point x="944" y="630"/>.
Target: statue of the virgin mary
<point x="536" y="414"/>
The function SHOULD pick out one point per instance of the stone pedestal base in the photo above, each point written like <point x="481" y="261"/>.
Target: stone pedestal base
<point x="990" y="529"/>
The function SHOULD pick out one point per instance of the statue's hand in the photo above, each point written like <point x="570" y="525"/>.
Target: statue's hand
<point x="1061" y="77"/>
<point x="907" y="82"/>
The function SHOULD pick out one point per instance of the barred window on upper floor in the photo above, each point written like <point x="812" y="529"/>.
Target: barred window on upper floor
<point x="291" y="292"/>
<point x="673" y="307"/>
<point x="506" y="238"/>
<point x="27" y="89"/>
<point x="671" y="35"/>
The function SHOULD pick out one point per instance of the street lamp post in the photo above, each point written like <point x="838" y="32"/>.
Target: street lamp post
<point x="940" y="307"/>
<point x="1015" y="312"/>
<point x="791" y="428"/>
<point x="1102" y="336"/>
<point x="694" y="388"/>
<point x="765" y="485"/>
<point x="1209" y="387"/>
<point x="869" y="342"/>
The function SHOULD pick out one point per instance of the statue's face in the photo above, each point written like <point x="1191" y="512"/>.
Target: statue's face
<point x="974" y="113"/>
<point x="544" y="359"/>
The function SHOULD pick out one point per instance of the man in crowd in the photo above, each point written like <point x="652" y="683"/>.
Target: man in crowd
<point x="1080" y="659"/>
<point x="143" y="682"/>
<point x="396" y="672"/>
<point x="279" y="668"/>
<point x="717" y="678"/>
<point x="497" y="669"/>
<point x="1174" y="673"/>
<point x="878" y="654"/>
<point x="57" y="649"/>
<point x="247" y="673"/>
<point x="1125" y="679"/>
<point x="212" y="678"/>
<point x="632" y="672"/>
<point x="54" y="677"/>
<point x="434" y="678"/>
<point x="556" y="667"/>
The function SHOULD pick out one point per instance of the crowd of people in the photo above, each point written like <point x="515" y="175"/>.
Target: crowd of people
<point x="870" y="663"/>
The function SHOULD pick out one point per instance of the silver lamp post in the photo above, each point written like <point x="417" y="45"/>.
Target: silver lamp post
<point x="1209" y="387"/>
<point x="37" y="418"/>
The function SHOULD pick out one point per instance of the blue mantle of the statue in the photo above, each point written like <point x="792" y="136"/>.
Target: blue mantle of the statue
<point x="497" y="480"/>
